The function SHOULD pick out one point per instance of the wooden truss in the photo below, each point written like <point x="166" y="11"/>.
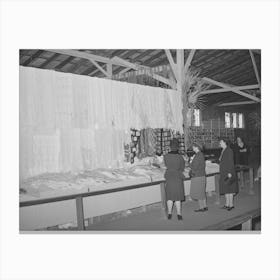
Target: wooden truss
<point x="179" y="68"/>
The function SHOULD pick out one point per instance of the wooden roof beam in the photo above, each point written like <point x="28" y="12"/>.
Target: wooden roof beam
<point x="155" y="59"/>
<point x="76" y="66"/>
<point x="64" y="62"/>
<point x="100" y="68"/>
<point x="189" y="60"/>
<point x="217" y="90"/>
<point x="53" y="57"/>
<point x="81" y="55"/>
<point x="97" y="70"/>
<point x="124" y="70"/>
<point x="88" y="70"/>
<point x="143" y="70"/>
<point x="32" y="57"/>
<point x="172" y="64"/>
<point x="255" y="67"/>
<point x="213" y="82"/>
<point x="155" y="70"/>
<point x="237" y="103"/>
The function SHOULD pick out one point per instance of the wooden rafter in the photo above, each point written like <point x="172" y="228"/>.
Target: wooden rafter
<point x="143" y="70"/>
<point x="172" y="63"/>
<point x="153" y="58"/>
<point x="118" y="52"/>
<point x="64" y="62"/>
<point x="125" y="56"/>
<point x="189" y="60"/>
<point x="237" y="103"/>
<point x="143" y="54"/>
<point x="155" y="70"/>
<point x="217" y="90"/>
<point x="255" y="67"/>
<point x="243" y="78"/>
<point x="88" y="70"/>
<point x="221" y="67"/>
<point x="120" y="61"/>
<point x="81" y="55"/>
<point x="162" y="60"/>
<point x="53" y="57"/>
<point x="100" y="68"/>
<point x="213" y="82"/>
<point x="162" y="79"/>
<point x="32" y="57"/>
<point x="124" y="70"/>
<point x="76" y="66"/>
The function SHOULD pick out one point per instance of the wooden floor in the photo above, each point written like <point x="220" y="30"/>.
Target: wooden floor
<point x="155" y="219"/>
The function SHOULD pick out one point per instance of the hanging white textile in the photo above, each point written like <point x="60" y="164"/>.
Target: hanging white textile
<point x="70" y="123"/>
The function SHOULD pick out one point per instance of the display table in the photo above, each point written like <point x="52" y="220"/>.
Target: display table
<point x="55" y="199"/>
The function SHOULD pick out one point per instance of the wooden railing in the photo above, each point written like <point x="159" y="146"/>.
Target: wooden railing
<point x="79" y="196"/>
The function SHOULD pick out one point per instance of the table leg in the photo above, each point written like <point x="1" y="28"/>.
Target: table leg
<point x="163" y="198"/>
<point x="80" y="213"/>
<point x="247" y="225"/>
<point x="251" y="178"/>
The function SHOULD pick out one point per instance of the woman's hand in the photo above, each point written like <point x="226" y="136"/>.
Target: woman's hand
<point x="229" y="175"/>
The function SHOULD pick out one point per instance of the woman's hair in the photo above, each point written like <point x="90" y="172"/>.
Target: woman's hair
<point x="197" y="145"/>
<point x="174" y="145"/>
<point x="225" y="139"/>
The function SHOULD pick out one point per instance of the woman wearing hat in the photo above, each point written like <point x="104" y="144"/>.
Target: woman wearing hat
<point x="198" y="179"/>
<point x="175" y="165"/>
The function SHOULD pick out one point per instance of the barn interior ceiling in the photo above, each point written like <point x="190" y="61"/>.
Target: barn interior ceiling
<point x="233" y="75"/>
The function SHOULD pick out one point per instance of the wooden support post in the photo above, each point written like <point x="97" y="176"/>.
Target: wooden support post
<point x="80" y="213"/>
<point x="163" y="198"/>
<point x="180" y="68"/>
<point x="247" y="225"/>
<point x="251" y="181"/>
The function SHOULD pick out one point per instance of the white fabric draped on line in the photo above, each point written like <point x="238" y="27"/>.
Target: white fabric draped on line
<point x="71" y="123"/>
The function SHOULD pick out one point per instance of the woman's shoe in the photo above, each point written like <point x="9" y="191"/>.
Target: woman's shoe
<point x="205" y="208"/>
<point x="180" y="218"/>
<point x="199" y="210"/>
<point x="224" y="207"/>
<point x="169" y="216"/>
<point x="230" y="208"/>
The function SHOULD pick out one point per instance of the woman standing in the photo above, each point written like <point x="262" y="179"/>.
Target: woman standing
<point x="242" y="152"/>
<point x="198" y="179"/>
<point x="227" y="183"/>
<point x="175" y="165"/>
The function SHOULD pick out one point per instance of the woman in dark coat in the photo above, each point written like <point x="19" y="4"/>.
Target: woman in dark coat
<point x="175" y="165"/>
<point x="198" y="179"/>
<point x="242" y="152"/>
<point x="228" y="182"/>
